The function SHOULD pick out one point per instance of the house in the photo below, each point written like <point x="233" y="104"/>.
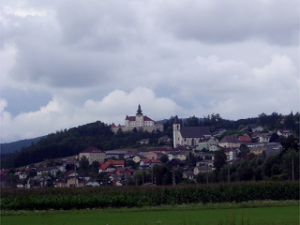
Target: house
<point x="91" y="183"/>
<point x="175" y="162"/>
<point x="258" y="150"/>
<point x="212" y="145"/>
<point x="144" y="141"/>
<point x="188" y="175"/>
<point x="47" y="170"/>
<point x="262" y="138"/>
<point x="230" y="142"/>
<point x="126" y="172"/>
<point x="203" y="155"/>
<point x="115" y="163"/>
<point x="70" y="162"/>
<point x="138" y="158"/>
<point x="139" y="121"/>
<point x="115" y="154"/>
<point x="24" y="173"/>
<point x="74" y="181"/>
<point x="70" y="173"/>
<point x="155" y="155"/>
<point x="106" y="168"/>
<point x="147" y="164"/>
<point x="202" y="169"/>
<point x="219" y="132"/>
<point x="176" y="155"/>
<point x="285" y="132"/>
<point x="92" y="154"/>
<point x="209" y="163"/>
<point x="189" y="136"/>
<point x="39" y="181"/>
<point x="231" y="153"/>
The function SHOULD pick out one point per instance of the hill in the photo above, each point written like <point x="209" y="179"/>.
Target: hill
<point x="11" y="147"/>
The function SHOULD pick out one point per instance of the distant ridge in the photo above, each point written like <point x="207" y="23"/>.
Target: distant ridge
<point x="11" y="147"/>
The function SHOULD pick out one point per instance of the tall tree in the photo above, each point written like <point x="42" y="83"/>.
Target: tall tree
<point x="219" y="160"/>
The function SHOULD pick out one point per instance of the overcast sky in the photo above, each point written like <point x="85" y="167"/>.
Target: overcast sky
<point x="68" y="63"/>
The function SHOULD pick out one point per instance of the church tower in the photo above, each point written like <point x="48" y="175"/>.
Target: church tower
<point x="176" y="132"/>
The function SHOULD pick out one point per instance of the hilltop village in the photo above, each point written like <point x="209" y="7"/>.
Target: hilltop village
<point x="191" y="155"/>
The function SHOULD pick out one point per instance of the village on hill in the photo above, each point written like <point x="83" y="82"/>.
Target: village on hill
<point x="192" y="155"/>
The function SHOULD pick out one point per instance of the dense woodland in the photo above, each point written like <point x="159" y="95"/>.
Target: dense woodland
<point x="72" y="141"/>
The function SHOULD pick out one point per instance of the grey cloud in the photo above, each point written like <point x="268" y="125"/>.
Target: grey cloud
<point x="220" y="22"/>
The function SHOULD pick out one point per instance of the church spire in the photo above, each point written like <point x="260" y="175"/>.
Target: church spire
<point x="139" y="111"/>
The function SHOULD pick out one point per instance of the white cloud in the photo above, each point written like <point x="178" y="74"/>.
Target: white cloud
<point x="59" y="114"/>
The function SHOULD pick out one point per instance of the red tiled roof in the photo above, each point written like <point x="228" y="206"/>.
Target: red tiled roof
<point x="245" y="139"/>
<point x="113" y="125"/>
<point x="115" y="162"/>
<point x="132" y="118"/>
<point x="146" y="118"/>
<point x="119" y="125"/>
<point x="255" y="134"/>
<point x="105" y="166"/>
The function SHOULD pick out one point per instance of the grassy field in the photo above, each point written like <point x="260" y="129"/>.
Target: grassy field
<point x="284" y="212"/>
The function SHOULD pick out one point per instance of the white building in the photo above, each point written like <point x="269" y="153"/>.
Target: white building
<point x="139" y="121"/>
<point x="189" y="136"/>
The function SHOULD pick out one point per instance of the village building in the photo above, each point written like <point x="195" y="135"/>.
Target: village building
<point x="139" y="121"/>
<point x="230" y="142"/>
<point x="285" y="132"/>
<point x="92" y="154"/>
<point x="189" y="136"/>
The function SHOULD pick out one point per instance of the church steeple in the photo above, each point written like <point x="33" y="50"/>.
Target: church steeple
<point x="139" y="111"/>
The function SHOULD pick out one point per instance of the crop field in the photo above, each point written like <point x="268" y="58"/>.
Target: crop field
<point x="266" y="212"/>
<point x="118" y="197"/>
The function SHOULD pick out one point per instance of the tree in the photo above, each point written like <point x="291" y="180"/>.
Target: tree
<point x="164" y="159"/>
<point x="95" y="167"/>
<point x="219" y="160"/>
<point x="84" y="163"/>
<point x="192" y="121"/>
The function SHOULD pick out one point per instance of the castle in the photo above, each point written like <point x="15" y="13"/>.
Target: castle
<point x="139" y="121"/>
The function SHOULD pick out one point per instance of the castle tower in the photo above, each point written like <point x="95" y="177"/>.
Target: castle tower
<point x="139" y="118"/>
<point x="176" y="132"/>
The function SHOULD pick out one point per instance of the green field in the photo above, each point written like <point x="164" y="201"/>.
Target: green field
<point x="227" y="213"/>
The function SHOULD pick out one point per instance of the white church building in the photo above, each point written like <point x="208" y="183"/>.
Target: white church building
<point x="139" y="121"/>
<point x="189" y="136"/>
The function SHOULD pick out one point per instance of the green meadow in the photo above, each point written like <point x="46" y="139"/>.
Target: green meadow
<point x="281" y="212"/>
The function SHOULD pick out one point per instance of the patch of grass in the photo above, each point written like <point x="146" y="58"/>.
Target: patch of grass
<point x="243" y="213"/>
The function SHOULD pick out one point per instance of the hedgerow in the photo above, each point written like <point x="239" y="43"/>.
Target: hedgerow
<point x="103" y="197"/>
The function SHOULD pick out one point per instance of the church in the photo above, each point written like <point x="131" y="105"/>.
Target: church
<point x="139" y="121"/>
<point x="189" y="136"/>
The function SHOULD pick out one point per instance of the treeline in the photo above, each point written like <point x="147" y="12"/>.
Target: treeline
<point x="271" y="122"/>
<point x="72" y="141"/>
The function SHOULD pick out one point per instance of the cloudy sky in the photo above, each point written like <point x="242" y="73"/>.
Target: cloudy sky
<point x="68" y="63"/>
